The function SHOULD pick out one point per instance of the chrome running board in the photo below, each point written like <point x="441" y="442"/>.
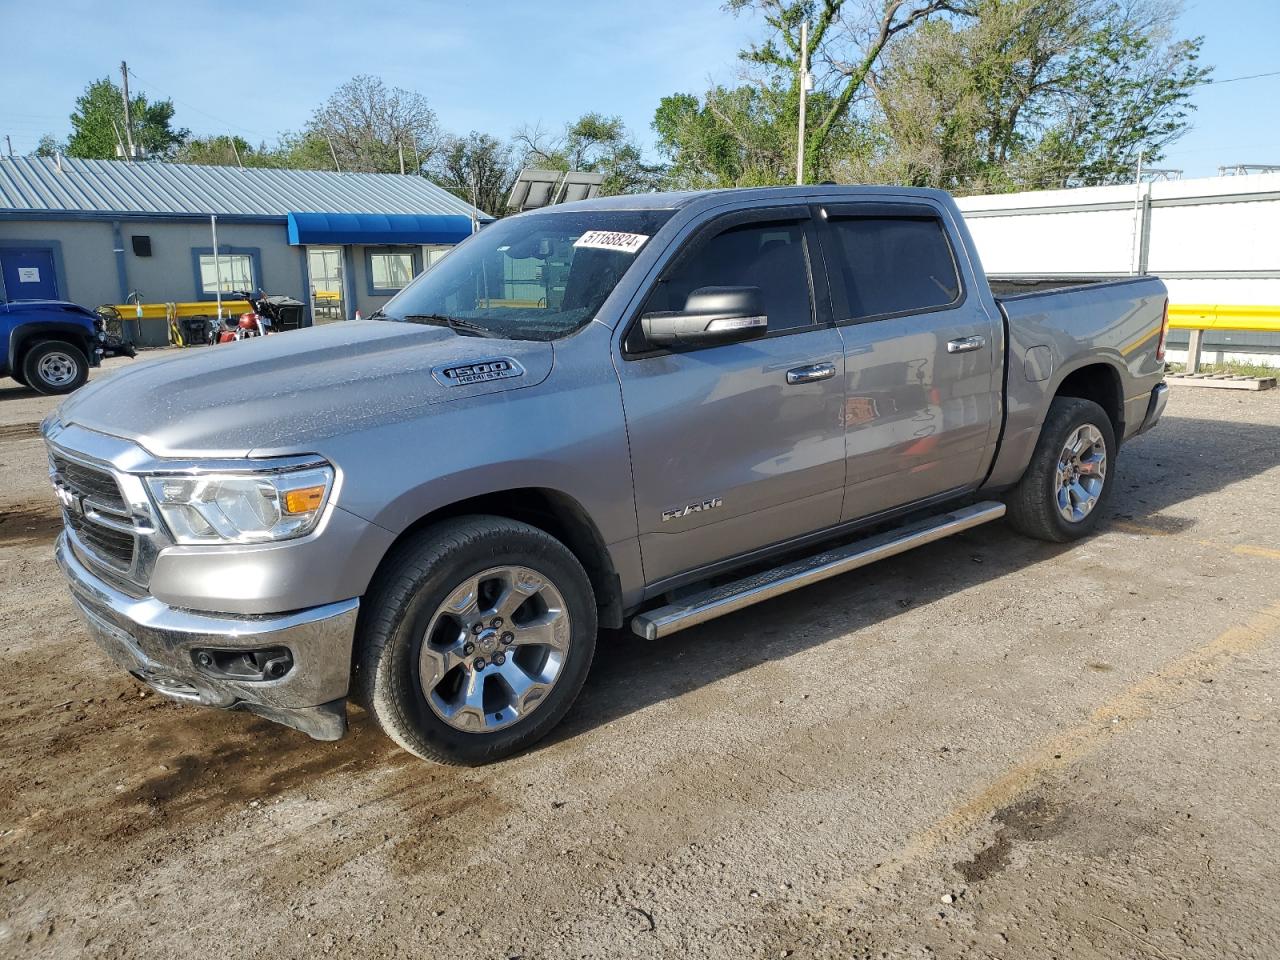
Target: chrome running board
<point x="718" y="601"/>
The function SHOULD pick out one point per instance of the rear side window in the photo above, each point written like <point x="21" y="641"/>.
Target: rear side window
<point x="771" y="256"/>
<point x="894" y="265"/>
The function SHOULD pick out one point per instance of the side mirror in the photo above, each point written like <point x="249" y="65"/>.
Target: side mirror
<point x="710" y="315"/>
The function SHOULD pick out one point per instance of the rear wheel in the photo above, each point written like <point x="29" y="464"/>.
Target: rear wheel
<point x="475" y="640"/>
<point x="55" y="366"/>
<point x="1060" y="496"/>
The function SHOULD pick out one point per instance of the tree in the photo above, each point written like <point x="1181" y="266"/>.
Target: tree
<point x="476" y="168"/>
<point x="98" y="125"/>
<point x="594" y="143"/>
<point x="746" y="135"/>
<point x="226" y="151"/>
<point x="841" y="52"/>
<point x="369" y="127"/>
<point x="48" y="146"/>
<point x="1033" y="93"/>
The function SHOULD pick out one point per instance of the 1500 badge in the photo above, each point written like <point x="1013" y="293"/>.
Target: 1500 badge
<point x="687" y="509"/>
<point x="479" y="371"/>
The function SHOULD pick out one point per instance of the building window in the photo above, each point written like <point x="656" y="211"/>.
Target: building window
<point x="434" y="254"/>
<point x="390" y="270"/>
<point x="235" y="270"/>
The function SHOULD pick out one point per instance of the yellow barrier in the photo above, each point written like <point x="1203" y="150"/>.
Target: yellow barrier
<point x="166" y="311"/>
<point x="1223" y="316"/>
<point x="1199" y="317"/>
<point x="170" y="312"/>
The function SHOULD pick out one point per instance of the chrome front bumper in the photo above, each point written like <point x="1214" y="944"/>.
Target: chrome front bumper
<point x="157" y="643"/>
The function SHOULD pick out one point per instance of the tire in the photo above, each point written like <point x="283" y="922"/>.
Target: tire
<point x="1036" y="504"/>
<point x="54" y="367"/>
<point x="17" y="376"/>
<point x="407" y="600"/>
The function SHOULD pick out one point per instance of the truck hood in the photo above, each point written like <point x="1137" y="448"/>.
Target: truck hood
<point x="287" y="392"/>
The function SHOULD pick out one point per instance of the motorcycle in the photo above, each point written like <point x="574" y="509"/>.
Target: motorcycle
<point x="252" y="323"/>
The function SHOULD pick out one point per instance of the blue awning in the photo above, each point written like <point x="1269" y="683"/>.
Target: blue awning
<point x="374" y="228"/>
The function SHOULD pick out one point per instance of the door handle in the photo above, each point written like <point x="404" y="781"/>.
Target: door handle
<point x="966" y="344"/>
<point x="812" y="373"/>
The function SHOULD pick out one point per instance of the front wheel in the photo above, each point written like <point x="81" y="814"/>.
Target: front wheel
<point x="1061" y="495"/>
<point x="475" y="640"/>
<point x="55" y="367"/>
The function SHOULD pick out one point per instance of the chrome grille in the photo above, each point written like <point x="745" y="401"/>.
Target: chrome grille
<point x="90" y="482"/>
<point x="95" y="512"/>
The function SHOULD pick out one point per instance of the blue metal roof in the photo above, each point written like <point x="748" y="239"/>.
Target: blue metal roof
<point x="378" y="228"/>
<point x="113" y="187"/>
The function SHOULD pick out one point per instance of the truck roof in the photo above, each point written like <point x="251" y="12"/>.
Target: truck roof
<point x="674" y="200"/>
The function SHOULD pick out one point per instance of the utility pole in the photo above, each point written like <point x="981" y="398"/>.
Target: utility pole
<point x="400" y="147"/>
<point x="236" y="151"/>
<point x="333" y="153"/>
<point x="128" y="122"/>
<point x="805" y="83"/>
<point x="1137" y="217"/>
<point x="9" y="144"/>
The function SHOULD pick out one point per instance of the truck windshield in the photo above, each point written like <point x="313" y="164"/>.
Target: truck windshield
<point x="537" y="277"/>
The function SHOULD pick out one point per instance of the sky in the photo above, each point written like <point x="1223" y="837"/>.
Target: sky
<point x="256" y="69"/>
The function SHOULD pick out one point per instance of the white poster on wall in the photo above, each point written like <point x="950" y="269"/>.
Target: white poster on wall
<point x="28" y="274"/>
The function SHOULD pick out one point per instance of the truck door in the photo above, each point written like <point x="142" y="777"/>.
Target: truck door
<point x="737" y="446"/>
<point x="923" y="362"/>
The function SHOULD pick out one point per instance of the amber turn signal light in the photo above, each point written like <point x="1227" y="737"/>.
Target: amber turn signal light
<point x="304" y="500"/>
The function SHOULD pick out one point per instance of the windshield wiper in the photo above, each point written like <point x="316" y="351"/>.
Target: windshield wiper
<point x="453" y="323"/>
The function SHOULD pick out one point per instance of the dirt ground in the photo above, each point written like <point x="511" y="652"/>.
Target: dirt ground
<point x="988" y="748"/>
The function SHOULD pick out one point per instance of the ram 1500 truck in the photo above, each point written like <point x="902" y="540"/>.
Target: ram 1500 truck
<point x="650" y="409"/>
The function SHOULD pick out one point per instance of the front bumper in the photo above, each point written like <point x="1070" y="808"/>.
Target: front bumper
<point x="157" y="643"/>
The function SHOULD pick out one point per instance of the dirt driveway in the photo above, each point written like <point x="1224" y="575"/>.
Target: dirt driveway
<point x="988" y="748"/>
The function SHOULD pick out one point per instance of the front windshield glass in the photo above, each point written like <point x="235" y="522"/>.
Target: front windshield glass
<point x="538" y="277"/>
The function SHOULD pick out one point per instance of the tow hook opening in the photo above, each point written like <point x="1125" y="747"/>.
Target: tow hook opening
<point x="269" y="663"/>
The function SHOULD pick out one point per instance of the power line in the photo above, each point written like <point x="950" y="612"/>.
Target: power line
<point x="1252" y="76"/>
<point x="204" y="113"/>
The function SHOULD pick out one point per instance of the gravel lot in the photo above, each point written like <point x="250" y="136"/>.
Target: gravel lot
<point x="988" y="748"/>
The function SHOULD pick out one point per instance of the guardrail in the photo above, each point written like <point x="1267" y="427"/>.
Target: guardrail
<point x="1199" y="317"/>
<point x="170" y="312"/>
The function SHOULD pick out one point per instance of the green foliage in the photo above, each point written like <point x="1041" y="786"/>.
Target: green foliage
<point x="48" y="146"/>
<point x="227" y="151"/>
<point x="979" y="96"/>
<point x="98" y="124"/>
<point x="1032" y="94"/>
<point x="370" y="127"/>
<point x="595" y="143"/>
<point x="476" y="168"/>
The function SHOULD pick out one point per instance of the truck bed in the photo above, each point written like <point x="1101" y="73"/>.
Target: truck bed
<point x="1005" y="288"/>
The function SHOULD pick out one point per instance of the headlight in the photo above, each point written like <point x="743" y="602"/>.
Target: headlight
<point x="242" y="507"/>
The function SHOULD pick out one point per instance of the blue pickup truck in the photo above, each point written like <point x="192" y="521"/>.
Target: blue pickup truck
<point x="49" y="345"/>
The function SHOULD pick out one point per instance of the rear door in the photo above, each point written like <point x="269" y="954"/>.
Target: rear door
<point x="923" y="362"/>
<point x="737" y="446"/>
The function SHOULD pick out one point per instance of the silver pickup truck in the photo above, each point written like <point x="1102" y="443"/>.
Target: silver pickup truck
<point x="649" y="409"/>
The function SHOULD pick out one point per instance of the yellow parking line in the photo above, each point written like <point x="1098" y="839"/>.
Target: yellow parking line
<point x="1243" y="549"/>
<point x="1134" y="703"/>
<point x="1249" y="550"/>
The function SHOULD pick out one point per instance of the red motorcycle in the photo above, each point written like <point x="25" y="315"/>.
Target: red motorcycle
<point x="253" y="323"/>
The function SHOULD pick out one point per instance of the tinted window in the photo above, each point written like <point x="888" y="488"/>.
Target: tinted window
<point x="770" y="256"/>
<point x="894" y="265"/>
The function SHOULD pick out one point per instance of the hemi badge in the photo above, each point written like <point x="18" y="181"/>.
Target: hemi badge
<point x="479" y="371"/>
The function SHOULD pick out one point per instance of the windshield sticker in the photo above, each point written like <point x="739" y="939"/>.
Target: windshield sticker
<point x="611" y="240"/>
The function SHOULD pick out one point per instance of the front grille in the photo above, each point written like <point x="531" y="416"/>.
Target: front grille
<point x="89" y="482"/>
<point x="95" y="511"/>
<point x="110" y="546"/>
